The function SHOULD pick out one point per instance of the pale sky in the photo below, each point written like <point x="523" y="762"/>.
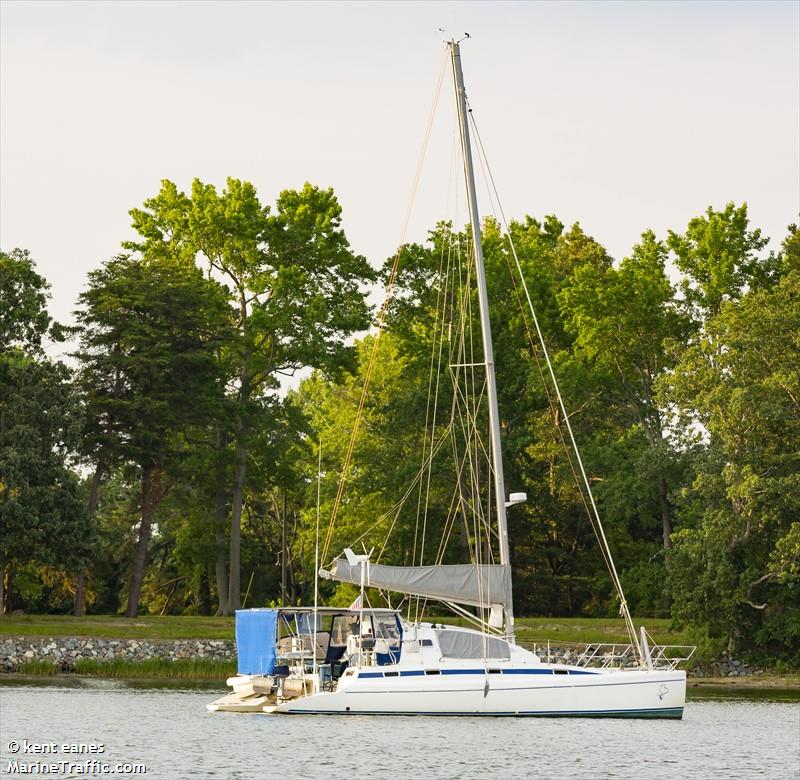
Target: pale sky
<point x="623" y="116"/>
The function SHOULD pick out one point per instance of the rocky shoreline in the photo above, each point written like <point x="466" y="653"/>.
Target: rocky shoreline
<point x="65" y="652"/>
<point x="725" y="666"/>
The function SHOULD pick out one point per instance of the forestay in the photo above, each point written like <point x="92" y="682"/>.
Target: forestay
<point x="478" y="585"/>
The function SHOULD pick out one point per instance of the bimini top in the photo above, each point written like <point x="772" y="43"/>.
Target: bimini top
<point x="321" y="610"/>
<point x="257" y="632"/>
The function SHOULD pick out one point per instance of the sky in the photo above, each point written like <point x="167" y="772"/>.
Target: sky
<point x="622" y="116"/>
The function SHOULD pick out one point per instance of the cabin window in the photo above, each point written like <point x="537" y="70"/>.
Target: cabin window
<point x="560" y="671"/>
<point x="343" y="627"/>
<point x="432" y="671"/>
<point x="468" y="644"/>
<point x="386" y="628"/>
<point x="426" y="642"/>
<point x="391" y="674"/>
<point x="305" y="622"/>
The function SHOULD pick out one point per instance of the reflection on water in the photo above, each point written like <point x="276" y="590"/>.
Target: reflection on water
<point x="731" y="692"/>
<point x="724" y="734"/>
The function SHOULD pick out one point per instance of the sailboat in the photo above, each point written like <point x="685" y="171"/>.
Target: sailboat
<point x="363" y="660"/>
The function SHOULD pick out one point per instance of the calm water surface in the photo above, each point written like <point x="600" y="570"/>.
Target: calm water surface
<point x="169" y="730"/>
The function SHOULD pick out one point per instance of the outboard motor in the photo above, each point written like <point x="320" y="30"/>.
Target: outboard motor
<point x="280" y="673"/>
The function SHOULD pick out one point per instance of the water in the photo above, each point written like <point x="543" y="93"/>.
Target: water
<point x="722" y="735"/>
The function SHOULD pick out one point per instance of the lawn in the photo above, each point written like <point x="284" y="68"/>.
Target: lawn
<point x="584" y="630"/>
<point x="529" y="630"/>
<point x="113" y="627"/>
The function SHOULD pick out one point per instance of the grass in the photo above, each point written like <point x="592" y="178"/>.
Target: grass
<point x="38" y="667"/>
<point x="529" y="630"/>
<point x="764" y="681"/>
<point x="113" y="627"/>
<point x="581" y="631"/>
<point x="151" y="669"/>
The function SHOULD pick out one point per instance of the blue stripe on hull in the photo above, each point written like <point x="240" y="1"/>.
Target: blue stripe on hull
<point x="667" y="712"/>
<point x="421" y="672"/>
<point x="559" y="686"/>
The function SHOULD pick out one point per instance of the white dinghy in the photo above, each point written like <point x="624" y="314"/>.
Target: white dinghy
<point x="374" y="661"/>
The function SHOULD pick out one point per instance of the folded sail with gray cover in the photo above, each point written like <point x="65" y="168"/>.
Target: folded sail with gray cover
<point x="473" y="584"/>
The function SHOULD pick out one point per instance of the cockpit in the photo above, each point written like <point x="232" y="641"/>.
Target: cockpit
<point x="328" y="640"/>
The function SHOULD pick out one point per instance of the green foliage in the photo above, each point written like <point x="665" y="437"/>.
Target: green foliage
<point x="683" y="396"/>
<point x="156" y="627"/>
<point x="40" y="503"/>
<point x="736" y="561"/>
<point x="148" y="334"/>
<point x="37" y="667"/>
<point x="156" y="669"/>
<point x="24" y="320"/>
<point x="719" y="257"/>
<point x="149" y="331"/>
<point x="624" y="321"/>
<point x="295" y="291"/>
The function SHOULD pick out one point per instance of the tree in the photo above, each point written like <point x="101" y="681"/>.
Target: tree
<point x="738" y="388"/>
<point x="24" y="320"/>
<point x="148" y="334"/>
<point x="625" y="320"/>
<point x="42" y="518"/>
<point x="719" y="258"/>
<point x="295" y="290"/>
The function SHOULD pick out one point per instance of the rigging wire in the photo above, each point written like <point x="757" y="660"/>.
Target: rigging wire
<point x="383" y="312"/>
<point x="468" y="415"/>
<point x="397" y="507"/>
<point x="430" y="413"/>
<point x="594" y="514"/>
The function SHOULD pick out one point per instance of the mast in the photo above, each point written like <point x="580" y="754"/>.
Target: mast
<point x="486" y="329"/>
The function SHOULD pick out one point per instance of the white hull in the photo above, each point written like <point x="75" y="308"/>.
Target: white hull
<point x="526" y="692"/>
<point x="438" y="670"/>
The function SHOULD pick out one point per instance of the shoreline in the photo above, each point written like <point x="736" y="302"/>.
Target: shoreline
<point x="784" y="682"/>
<point x="210" y="673"/>
<point x="169" y="658"/>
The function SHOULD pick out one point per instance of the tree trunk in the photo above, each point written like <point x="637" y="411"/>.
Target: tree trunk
<point x="79" y="608"/>
<point x="234" y="572"/>
<point x="222" y="572"/>
<point x="2" y="587"/>
<point x="79" y="605"/>
<point x="204" y="595"/>
<point x="666" y="521"/>
<point x="220" y="514"/>
<point x="151" y="490"/>
<point x="283" y="550"/>
<point x="234" y="559"/>
<point x="6" y="577"/>
<point x="651" y="424"/>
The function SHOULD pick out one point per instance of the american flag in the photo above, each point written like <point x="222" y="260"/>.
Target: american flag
<point x="357" y="604"/>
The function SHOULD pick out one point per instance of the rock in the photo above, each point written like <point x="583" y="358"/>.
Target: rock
<point x="64" y="653"/>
